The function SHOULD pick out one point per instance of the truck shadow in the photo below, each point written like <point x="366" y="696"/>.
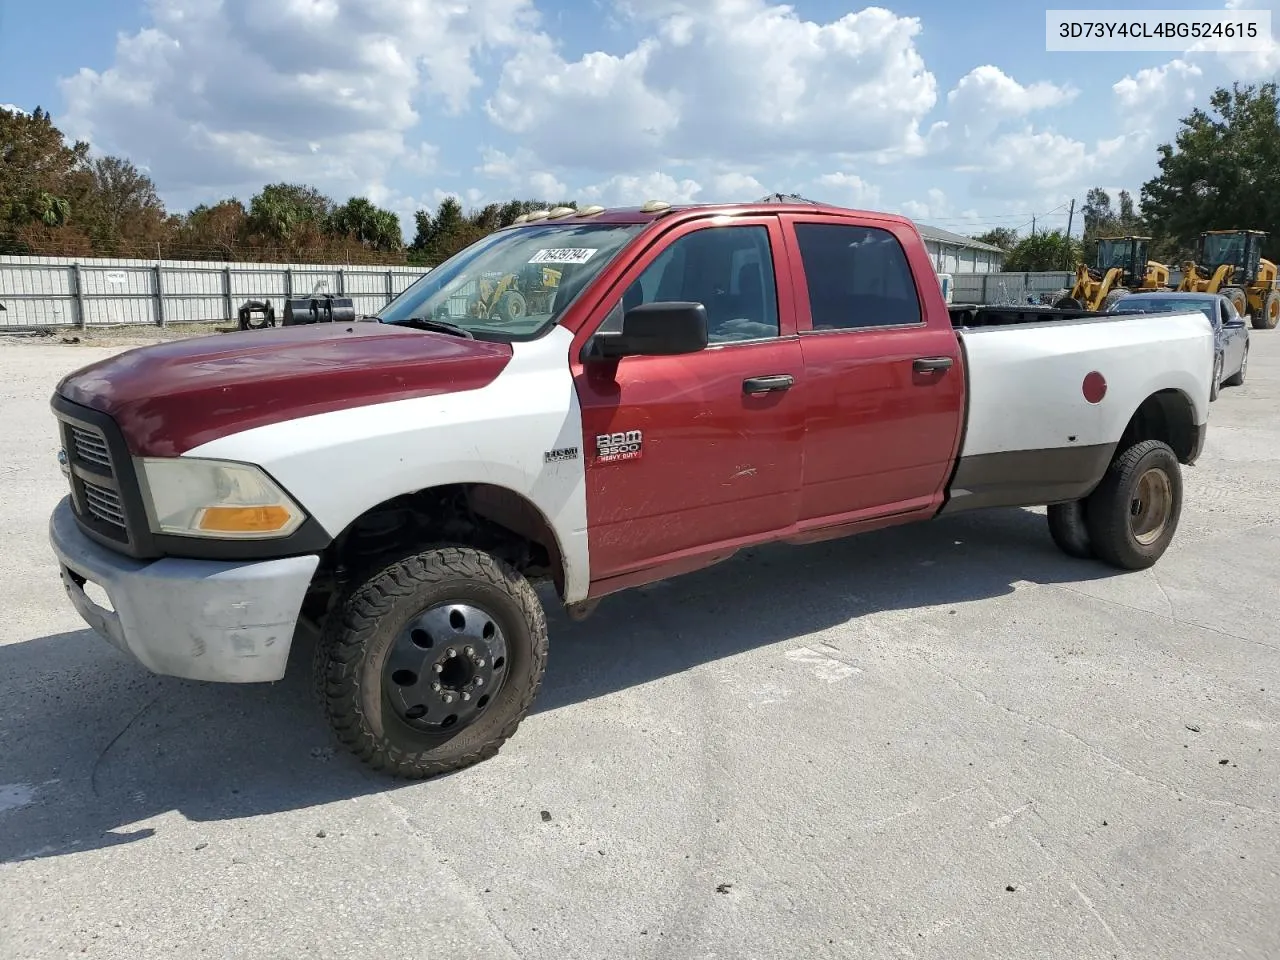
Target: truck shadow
<point x="90" y="744"/>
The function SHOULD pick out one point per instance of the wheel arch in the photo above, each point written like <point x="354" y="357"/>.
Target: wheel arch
<point x="486" y="516"/>
<point x="1169" y="416"/>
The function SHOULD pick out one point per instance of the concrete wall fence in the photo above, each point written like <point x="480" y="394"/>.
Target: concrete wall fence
<point x="39" y="292"/>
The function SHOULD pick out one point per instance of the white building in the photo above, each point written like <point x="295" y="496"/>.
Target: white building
<point x="953" y="253"/>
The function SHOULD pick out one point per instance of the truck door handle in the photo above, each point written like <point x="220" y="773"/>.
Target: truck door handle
<point x="932" y="364"/>
<point x="772" y="384"/>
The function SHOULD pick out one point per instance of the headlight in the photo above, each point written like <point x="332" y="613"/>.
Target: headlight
<point x="215" y="498"/>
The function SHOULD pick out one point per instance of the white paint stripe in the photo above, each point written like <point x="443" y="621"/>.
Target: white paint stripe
<point x="342" y="463"/>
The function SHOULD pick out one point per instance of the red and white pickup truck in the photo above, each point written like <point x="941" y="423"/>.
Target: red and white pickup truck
<point x="598" y="399"/>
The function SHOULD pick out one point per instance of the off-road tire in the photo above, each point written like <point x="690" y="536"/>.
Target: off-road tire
<point x="1238" y="297"/>
<point x="358" y="636"/>
<point x="1215" y="384"/>
<point x="1109" y="509"/>
<point x="1068" y="303"/>
<point x="511" y="307"/>
<point x="1237" y="378"/>
<point x="1068" y="529"/>
<point x="1269" y="315"/>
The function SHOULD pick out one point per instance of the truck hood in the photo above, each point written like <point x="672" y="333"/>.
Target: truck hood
<point x="174" y="396"/>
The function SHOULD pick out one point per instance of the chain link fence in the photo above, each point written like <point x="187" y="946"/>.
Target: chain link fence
<point x="1011" y="288"/>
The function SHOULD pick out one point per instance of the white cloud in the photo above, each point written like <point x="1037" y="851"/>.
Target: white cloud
<point x="738" y="80"/>
<point x="850" y="189"/>
<point x="1149" y="91"/>
<point x="627" y="190"/>
<point x="989" y="90"/>
<point x="214" y="96"/>
<point x="518" y="174"/>
<point x="13" y="108"/>
<point x="937" y="205"/>
<point x="733" y="187"/>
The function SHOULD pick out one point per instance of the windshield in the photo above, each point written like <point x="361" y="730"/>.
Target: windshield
<point x="1112" y="253"/>
<point x="1165" y="305"/>
<point x="514" y="284"/>
<point x="1220" y="248"/>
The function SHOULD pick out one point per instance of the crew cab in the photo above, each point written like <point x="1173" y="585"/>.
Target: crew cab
<point x="650" y="391"/>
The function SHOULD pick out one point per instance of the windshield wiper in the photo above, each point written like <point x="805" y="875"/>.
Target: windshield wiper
<point x="438" y="326"/>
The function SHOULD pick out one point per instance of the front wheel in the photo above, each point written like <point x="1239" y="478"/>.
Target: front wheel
<point x="1269" y="315"/>
<point x="1238" y="298"/>
<point x="1134" y="512"/>
<point x="431" y="664"/>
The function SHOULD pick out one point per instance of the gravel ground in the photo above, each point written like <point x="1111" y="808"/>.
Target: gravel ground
<point x="943" y="741"/>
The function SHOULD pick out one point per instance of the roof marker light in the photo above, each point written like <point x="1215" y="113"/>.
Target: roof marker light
<point x="591" y="211"/>
<point x="654" y="206"/>
<point x="539" y="215"/>
<point x="557" y="212"/>
<point x="523" y="218"/>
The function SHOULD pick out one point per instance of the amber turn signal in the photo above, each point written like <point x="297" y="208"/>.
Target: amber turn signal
<point x="244" y="519"/>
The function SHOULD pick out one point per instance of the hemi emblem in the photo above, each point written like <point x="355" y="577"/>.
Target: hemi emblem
<point x="564" y="453"/>
<point x="614" y="447"/>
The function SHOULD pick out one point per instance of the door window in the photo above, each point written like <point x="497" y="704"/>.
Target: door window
<point x="857" y="277"/>
<point x="729" y="270"/>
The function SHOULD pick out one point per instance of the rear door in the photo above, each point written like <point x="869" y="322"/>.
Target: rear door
<point x="884" y="375"/>
<point x="692" y="453"/>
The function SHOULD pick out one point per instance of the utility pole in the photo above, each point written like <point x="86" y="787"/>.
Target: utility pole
<point x="1071" y="217"/>
<point x="1033" y="225"/>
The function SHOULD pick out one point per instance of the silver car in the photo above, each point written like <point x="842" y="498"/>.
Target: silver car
<point x="1230" y="330"/>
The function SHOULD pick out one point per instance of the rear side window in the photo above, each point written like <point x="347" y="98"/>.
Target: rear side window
<point x="857" y="277"/>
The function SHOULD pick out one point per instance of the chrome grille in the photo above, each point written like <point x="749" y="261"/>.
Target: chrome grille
<point x="91" y="447"/>
<point x="103" y="504"/>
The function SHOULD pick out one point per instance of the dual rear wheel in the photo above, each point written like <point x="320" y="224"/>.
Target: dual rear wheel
<point x="1130" y="518"/>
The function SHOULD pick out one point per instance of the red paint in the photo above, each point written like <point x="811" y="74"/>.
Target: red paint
<point x="1094" y="387"/>
<point x="860" y="441"/>
<point x="171" y="397"/>
<point x="717" y="464"/>
<point x="878" y="435"/>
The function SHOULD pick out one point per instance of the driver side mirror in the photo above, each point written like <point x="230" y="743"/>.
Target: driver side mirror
<point x="661" y="329"/>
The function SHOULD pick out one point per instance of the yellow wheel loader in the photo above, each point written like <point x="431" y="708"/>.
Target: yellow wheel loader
<point x="1231" y="264"/>
<point x="1121" y="268"/>
<point x="512" y="296"/>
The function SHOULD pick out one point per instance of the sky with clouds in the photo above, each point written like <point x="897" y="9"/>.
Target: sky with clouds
<point x="952" y="113"/>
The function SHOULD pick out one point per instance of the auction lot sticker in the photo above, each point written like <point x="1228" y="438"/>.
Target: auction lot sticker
<point x="567" y="255"/>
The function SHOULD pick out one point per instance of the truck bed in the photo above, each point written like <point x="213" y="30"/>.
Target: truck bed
<point x="1048" y="399"/>
<point x="972" y="315"/>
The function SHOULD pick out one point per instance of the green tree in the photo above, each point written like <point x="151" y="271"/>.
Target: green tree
<point x="1002" y="237"/>
<point x="375" y="228"/>
<point x="37" y="169"/>
<point x="1221" y="172"/>
<point x="283" y="210"/>
<point x="1043" y="251"/>
<point x="117" y="205"/>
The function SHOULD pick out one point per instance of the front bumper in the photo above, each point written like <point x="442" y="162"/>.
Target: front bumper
<point x="198" y="619"/>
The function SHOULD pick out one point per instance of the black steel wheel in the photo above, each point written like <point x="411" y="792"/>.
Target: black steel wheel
<point x="431" y="664"/>
<point x="444" y="667"/>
